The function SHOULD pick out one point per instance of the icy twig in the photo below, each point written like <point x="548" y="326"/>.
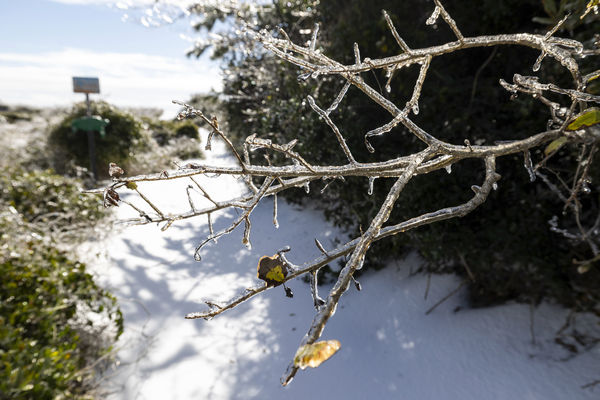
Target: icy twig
<point x="556" y="27"/>
<point x="383" y="129"/>
<point x="275" y="222"/>
<point x="313" y="40"/>
<point x="210" y="225"/>
<point x="399" y="40"/>
<point x="356" y="54"/>
<point x="531" y="85"/>
<point x="413" y="103"/>
<point x="192" y="206"/>
<point x="141" y="212"/>
<point x="334" y="128"/>
<point x="147" y="200"/>
<point x="317" y="301"/>
<point x="346" y="248"/>
<point x="451" y="23"/>
<point x="249" y="207"/>
<point x="339" y="98"/>
<point x="190" y="112"/>
<point x="204" y="192"/>
<point x="252" y="142"/>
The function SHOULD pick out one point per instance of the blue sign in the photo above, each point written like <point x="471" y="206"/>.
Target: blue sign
<point x="86" y="85"/>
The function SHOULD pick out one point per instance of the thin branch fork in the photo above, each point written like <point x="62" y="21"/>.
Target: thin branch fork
<point x="253" y="143"/>
<point x="190" y="111"/>
<point x="244" y="217"/>
<point x="328" y="66"/>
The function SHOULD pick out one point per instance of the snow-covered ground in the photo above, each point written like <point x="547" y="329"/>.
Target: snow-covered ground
<point x="390" y="348"/>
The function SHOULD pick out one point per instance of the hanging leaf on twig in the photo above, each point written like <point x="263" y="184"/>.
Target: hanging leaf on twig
<point x="288" y="291"/>
<point x="272" y="271"/>
<point x="555" y="145"/>
<point x="589" y="117"/>
<point x="111" y="197"/>
<point x="313" y="355"/>
<point x="114" y="170"/>
<point x="131" y="185"/>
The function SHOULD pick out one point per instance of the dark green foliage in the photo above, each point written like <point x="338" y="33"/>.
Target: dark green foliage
<point x="41" y="353"/>
<point x="507" y="243"/>
<point x="186" y="129"/>
<point x="44" y="197"/>
<point x="263" y="83"/>
<point x="123" y="138"/>
<point x="55" y="322"/>
<point x="177" y="139"/>
<point x="165" y="131"/>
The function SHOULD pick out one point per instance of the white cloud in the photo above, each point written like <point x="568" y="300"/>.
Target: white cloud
<point x="127" y="3"/>
<point x="126" y="79"/>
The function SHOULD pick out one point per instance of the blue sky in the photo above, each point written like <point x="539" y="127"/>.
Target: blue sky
<point x="43" y="43"/>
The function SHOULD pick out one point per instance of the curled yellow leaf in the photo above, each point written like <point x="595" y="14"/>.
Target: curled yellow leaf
<point x="555" y="145"/>
<point x="589" y="117"/>
<point x="271" y="270"/>
<point x="313" y="355"/>
<point x="131" y="185"/>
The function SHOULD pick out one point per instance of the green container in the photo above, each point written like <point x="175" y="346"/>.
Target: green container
<point x="94" y="123"/>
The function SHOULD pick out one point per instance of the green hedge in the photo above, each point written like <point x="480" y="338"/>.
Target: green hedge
<point x="163" y="132"/>
<point x="41" y="351"/>
<point x="48" y="198"/>
<point x="56" y="324"/>
<point x="123" y="138"/>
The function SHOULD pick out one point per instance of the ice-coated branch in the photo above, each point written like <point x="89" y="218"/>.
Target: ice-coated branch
<point x="191" y="112"/>
<point x="399" y="40"/>
<point x="554" y="47"/>
<point x="334" y="128"/>
<point x="339" y="98"/>
<point x="530" y="84"/>
<point x="439" y="8"/>
<point x="328" y="256"/>
<point x="249" y="207"/>
<point x="253" y="143"/>
<point x="356" y="260"/>
<point x="294" y="171"/>
<point x="413" y="103"/>
<point x="204" y="192"/>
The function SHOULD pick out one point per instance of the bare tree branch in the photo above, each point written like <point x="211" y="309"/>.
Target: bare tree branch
<point x="436" y="153"/>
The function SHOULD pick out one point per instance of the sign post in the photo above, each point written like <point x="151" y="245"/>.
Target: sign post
<point x="87" y="86"/>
